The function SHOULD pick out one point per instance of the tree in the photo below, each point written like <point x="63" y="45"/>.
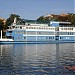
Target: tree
<point x="21" y="21"/>
<point x="1" y="24"/>
<point x="67" y="18"/>
<point x="11" y="19"/>
<point x="41" y="18"/>
<point x="71" y="18"/>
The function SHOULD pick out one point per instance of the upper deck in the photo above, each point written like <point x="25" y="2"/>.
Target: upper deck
<point x="32" y="27"/>
<point x="53" y="26"/>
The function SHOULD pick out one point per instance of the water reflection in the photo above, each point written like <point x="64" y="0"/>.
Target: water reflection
<point x="36" y="59"/>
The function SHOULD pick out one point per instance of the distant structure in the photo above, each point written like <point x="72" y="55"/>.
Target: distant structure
<point x="55" y="15"/>
<point x="4" y="21"/>
<point x="64" y="15"/>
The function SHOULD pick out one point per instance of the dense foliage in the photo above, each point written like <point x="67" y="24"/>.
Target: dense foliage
<point x="11" y="19"/>
<point x="69" y="18"/>
<point x="1" y="24"/>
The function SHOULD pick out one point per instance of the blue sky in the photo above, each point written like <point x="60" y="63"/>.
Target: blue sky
<point x="32" y="9"/>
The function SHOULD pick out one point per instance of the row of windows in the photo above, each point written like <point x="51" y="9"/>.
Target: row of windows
<point x="66" y="33"/>
<point x="34" y="38"/>
<point x="21" y="27"/>
<point x="40" y="28"/>
<point x="20" y="37"/>
<point x="34" y="33"/>
<point x="66" y="28"/>
<point x="67" y="38"/>
<point x="44" y="33"/>
<point x="40" y="33"/>
<point x="43" y="38"/>
<point x="49" y="28"/>
<point x="20" y="32"/>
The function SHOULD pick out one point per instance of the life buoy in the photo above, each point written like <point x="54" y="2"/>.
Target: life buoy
<point x="72" y="68"/>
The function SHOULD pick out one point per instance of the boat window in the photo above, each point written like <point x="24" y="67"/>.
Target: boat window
<point x="53" y="37"/>
<point x="72" y="28"/>
<point x="71" y="33"/>
<point x="39" y="27"/>
<point x="24" y="37"/>
<point x="10" y="31"/>
<point x="20" y="27"/>
<point x="13" y="26"/>
<point x="18" y="37"/>
<point x="24" y="32"/>
<point x="34" y="27"/>
<point x="26" y="27"/>
<point x="46" y="37"/>
<point x="39" y="32"/>
<point x="49" y="38"/>
<point x="68" y="33"/>
<point x="61" y="28"/>
<point x="60" y="37"/>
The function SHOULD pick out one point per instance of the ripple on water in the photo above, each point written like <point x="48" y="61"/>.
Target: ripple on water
<point x="37" y="59"/>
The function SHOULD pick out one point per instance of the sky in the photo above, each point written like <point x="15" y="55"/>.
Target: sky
<point x="33" y="9"/>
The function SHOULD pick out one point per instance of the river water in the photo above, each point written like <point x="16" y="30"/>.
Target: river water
<point x="37" y="59"/>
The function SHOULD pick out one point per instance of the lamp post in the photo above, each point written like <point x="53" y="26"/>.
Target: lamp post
<point x="1" y="34"/>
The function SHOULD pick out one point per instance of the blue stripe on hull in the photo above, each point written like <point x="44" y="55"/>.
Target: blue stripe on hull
<point x="34" y="42"/>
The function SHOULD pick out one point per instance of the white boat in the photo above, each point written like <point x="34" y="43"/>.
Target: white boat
<point x="40" y="33"/>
